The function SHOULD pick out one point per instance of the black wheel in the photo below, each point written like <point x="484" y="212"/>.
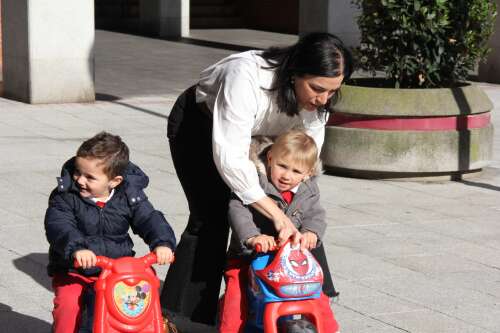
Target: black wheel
<point x="297" y="326"/>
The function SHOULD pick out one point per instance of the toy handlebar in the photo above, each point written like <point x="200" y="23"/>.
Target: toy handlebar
<point x="103" y="262"/>
<point x="149" y="259"/>
<point x="258" y="248"/>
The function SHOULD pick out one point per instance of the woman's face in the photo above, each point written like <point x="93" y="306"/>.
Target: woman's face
<point x="313" y="92"/>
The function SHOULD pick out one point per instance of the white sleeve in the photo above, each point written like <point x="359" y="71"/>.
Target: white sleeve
<point x="318" y="134"/>
<point x="314" y="125"/>
<point x="234" y="114"/>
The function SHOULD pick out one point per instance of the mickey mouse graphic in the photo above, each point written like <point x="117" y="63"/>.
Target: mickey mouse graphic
<point x="132" y="301"/>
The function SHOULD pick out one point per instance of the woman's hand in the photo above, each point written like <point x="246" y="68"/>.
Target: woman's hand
<point x="85" y="258"/>
<point x="164" y="255"/>
<point x="282" y="223"/>
<point x="266" y="242"/>
<point x="286" y="230"/>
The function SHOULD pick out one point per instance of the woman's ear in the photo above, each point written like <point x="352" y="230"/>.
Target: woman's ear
<point x="115" y="181"/>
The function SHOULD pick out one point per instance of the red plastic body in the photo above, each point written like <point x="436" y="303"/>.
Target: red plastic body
<point x="308" y="308"/>
<point x="127" y="297"/>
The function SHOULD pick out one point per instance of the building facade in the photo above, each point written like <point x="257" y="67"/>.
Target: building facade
<point x="174" y="19"/>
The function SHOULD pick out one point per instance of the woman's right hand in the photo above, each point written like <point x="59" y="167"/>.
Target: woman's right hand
<point x="282" y="223"/>
<point x="286" y="230"/>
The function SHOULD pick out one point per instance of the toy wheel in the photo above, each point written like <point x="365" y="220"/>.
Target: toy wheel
<point x="297" y="326"/>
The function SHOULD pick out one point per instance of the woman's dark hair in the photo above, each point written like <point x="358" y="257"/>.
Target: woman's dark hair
<point x="317" y="54"/>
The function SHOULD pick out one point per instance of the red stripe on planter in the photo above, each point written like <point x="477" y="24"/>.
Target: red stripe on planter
<point x="412" y="123"/>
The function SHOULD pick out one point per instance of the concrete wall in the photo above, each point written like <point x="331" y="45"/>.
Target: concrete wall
<point x="337" y="17"/>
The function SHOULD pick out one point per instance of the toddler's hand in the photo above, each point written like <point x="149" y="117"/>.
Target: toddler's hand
<point x="164" y="255"/>
<point x="308" y="241"/>
<point x="85" y="258"/>
<point x="266" y="242"/>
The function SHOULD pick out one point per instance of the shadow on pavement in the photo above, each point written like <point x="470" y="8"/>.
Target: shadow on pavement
<point x="14" y="322"/>
<point x="116" y="100"/>
<point x="487" y="174"/>
<point x="35" y="265"/>
<point x="481" y="185"/>
<point x="152" y="113"/>
<point x="105" y="97"/>
<point x="184" y="325"/>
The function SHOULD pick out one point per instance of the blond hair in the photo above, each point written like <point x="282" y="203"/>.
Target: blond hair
<point x="298" y="146"/>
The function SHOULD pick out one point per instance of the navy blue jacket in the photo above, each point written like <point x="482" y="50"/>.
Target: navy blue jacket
<point x="73" y="223"/>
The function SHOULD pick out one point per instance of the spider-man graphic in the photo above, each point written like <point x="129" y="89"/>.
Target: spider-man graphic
<point x="299" y="262"/>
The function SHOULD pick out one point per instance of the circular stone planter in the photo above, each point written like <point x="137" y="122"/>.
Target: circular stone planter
<point x="395" y="133"/>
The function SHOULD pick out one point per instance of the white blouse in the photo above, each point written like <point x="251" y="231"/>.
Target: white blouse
<point x="234" y="90"/>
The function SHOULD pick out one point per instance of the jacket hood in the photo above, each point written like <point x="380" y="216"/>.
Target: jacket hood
<point x="133" y="177"/>
<point x="260" y="145"/>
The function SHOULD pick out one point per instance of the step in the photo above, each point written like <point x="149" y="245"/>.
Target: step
<point x="216" y="22"/>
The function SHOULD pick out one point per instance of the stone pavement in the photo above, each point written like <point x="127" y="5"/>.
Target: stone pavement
<point x="406" y="256"/>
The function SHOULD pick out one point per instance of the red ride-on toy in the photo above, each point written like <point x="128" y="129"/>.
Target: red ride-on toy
<point x="126" y="296"/>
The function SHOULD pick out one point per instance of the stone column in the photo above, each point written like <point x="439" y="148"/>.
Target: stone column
<point x="489" y="71"/>
<point x="336" y="17"/>
<point x="165" y="18"/>
<point x="48" y="50"/>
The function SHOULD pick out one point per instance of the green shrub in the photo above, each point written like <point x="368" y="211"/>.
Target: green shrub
<point x="424" y="43"/>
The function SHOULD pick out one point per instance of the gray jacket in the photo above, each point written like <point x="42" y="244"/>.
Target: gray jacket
<point x="305" y="212"/>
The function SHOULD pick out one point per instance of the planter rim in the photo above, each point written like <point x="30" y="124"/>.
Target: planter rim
<point x="352" y="83"/>
<point x="409" y="102"/>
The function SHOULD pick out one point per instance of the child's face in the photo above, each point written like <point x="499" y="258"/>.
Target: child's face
<point x="286" y="173"/>
<point x="91" y="180"/>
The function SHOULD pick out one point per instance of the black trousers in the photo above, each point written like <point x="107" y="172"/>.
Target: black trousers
<point x="193" y="281"/>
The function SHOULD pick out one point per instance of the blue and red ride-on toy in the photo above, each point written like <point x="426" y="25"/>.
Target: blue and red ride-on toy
<point x="284" y="289"/>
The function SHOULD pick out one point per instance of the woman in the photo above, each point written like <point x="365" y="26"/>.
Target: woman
<point x="209" y="131"/>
